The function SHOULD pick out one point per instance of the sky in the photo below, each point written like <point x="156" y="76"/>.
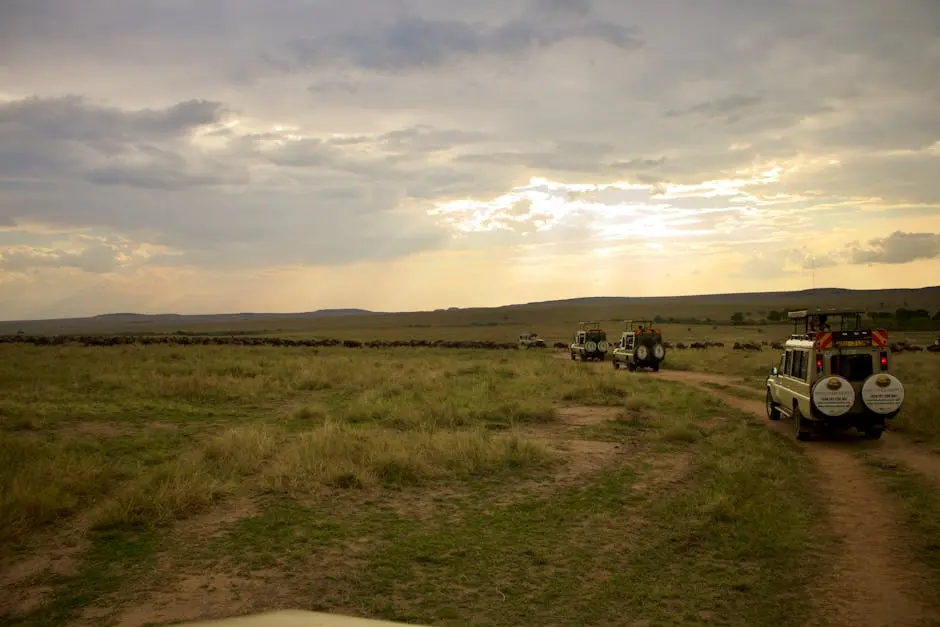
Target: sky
<point x="289" y="155"/>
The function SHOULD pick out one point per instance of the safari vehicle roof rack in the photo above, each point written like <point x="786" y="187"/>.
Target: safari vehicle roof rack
<point x="591" y="325"/>
<point x="835" y="327"/>
<point x="633" y="325"/>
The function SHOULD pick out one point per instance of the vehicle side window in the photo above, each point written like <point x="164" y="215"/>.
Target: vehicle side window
<point x="804" y="365"/>
<point x="788" y="361"/>
<point x="798" y="365"/>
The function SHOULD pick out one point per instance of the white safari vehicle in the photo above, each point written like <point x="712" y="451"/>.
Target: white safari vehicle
<point x="531" y="340"/>
<point x="641" y="346"/>
<point x="834" y="373"/>
<point x="590" y="342"/>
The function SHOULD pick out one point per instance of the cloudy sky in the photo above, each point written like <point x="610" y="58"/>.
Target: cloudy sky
<point x="233" y="155"/>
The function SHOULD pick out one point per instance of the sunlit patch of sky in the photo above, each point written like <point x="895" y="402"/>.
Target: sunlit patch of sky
<point x="629" y="211"/>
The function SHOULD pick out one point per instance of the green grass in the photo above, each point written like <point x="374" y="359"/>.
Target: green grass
<point x="428" y="485"/>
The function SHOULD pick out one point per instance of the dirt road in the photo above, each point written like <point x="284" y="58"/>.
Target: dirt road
<point x="874" y="579"/>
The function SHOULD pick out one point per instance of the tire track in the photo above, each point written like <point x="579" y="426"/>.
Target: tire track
<point x="874" y="579"/>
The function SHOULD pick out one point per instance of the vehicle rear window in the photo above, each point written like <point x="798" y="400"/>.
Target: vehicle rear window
<point x="852" y="367"/>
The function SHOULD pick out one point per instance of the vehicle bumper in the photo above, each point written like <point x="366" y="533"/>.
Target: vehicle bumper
<point x="853" y="419"/>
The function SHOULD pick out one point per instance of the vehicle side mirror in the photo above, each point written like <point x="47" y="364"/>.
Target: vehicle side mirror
<point x="774" y="371"/>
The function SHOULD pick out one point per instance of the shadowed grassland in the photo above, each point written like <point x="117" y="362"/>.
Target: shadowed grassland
<point x="169" y="483"/>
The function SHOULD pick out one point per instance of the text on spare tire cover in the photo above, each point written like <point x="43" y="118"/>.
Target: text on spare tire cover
<point x="882" y="393"/>
<point x="833" y="396"/>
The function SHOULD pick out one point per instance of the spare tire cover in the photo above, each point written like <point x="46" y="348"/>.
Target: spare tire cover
<point x="833" y="396"/>
<point x="658" y="351"/>
<point x="590" y="346"/>
<point x="642" y="352"/>
<point x="602" y="346"/>
<point x="883" y="393"/>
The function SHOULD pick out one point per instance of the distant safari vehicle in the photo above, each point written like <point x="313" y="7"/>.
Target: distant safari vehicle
<point x="590" y="342"/>
<point x="641" y="346"/>
<point x="834" y="373"/>
<point x="531" y="340"/>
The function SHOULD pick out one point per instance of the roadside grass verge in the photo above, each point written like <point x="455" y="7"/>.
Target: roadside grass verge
<point x="751" y="368"/>
<point x="921" y="505"/>
<point x="750" y="394"/>
<point x="919" y="418"/>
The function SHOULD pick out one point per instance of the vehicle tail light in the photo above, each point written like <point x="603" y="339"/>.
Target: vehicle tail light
<point x="884" y="361"/>
<point x="819" y="364"/>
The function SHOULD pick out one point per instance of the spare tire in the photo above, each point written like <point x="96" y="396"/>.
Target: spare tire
<point x="833" y="396"/>
<point x="590" y="346"/>
<point x="883" y="393"/>
<point x="642" y="352"/>
<point x="602" y="346"/>
<point x="659" y="351"/>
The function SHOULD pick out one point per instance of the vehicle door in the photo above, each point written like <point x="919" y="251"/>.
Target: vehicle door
<point x="775" y="381"/>
<point x="795" y="380"/>
<point x="784" y="393"/>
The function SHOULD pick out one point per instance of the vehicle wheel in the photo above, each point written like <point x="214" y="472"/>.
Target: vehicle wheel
<point x="799" y="425"/>
<point x="615" y="363"/>
<point x="772" y="412"/>
<point x="573" y="357"/>
<point x="655" y="367"/>
<point x="873" y="433"/>
<point x="631" y="366"/>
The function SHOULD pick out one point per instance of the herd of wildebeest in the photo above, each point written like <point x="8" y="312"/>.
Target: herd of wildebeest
<point x="241" y="340"/>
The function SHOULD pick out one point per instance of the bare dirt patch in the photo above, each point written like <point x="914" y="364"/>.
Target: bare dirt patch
<point x="182" y="594"/>
<point x="25" y="580"/>
<point x="194" y="596"/>
<point x="586" y="416"/>
<point x="873" y="579"/>
<point x="582" y="456"/>
<point x="209" y="524"/>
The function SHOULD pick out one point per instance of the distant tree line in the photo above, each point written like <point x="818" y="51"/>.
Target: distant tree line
<point x="902" y="319"/>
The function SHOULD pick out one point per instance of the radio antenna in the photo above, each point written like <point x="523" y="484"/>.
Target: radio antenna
<point x="813" y="266"/>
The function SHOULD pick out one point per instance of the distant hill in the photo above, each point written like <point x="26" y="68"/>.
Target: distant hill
<point x="716" y="307"/>
<point x="126" y="322"/>
<point x="809" y="296"/>
<point x="197" y="318"/>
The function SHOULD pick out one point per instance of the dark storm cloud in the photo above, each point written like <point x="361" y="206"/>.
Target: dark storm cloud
<point x="75" y="118"/>
<point x="69" y="137"/>
<point x="899" y="247"/>
<point x="414" y="42"/>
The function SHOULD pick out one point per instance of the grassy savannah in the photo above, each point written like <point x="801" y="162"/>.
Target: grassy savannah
<point x="165" y="483"/>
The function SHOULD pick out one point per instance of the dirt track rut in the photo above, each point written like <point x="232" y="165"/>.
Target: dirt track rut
<point x="874" y="579"/>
